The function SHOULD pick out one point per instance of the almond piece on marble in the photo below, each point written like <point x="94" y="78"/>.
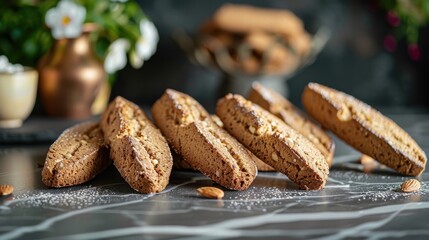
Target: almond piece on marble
<point x="6" y="190"/>
<point x="211" y="192"/>
<point x="410" y="185"/>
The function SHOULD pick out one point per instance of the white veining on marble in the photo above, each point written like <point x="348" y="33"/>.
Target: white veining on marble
<point x="272" y="201"/>
<point x="44" y="225"/>
<point x="226" y="228"/>
<point x="50" y="221"/>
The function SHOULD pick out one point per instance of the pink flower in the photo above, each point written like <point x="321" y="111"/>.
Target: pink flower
<point x="414" y="52"/>
<point x="390" y="43"/>
<point x="393" y="18"/>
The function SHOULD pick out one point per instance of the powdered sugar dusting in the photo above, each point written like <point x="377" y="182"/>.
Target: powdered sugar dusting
<point x="68" y="198"/>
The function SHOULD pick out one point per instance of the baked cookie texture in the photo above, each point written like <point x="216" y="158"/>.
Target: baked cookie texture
<point x="77" y="156"/>
<point x="364" y="128"/>
<point x="292" y="116"/>
<point x="138" y="149"/>
<point x="274" y="142"/>
<point x="260" y="165"/>
<point x="204" y="145"/>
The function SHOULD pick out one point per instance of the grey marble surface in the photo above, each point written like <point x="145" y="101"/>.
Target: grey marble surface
<point x="354" y="204"/>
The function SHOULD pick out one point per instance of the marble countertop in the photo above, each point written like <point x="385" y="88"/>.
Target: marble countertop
<point x="354" y="204"/>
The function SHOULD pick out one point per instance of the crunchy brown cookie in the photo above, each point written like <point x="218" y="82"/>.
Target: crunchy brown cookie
<point x="364" y="128"/>
<point x="292" y="116"/>
<point x="137" y="147"/>
<point x="273" y="141"/>
<point x="204" y="145"/>
<point x="263" y="167"/>
<point x="77" y="156"/>
<point x="180" y="163"/>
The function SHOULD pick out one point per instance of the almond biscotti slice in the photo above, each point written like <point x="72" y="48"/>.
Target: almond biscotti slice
<point x="137" y="147"/>
<point x="260" y="165"/>
<point x="292" y="116"/>
<point x="364" y="128"/>
<point x="204" y="145"/>
<point x="274" y="142"/>
<point x="77" y="156"/>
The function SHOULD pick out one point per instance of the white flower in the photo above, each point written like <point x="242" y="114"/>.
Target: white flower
<point x="7" y="67"/>
<point x="66" y="19"/>
<point x="116" y="57"/>
<point x="146" y="45"/>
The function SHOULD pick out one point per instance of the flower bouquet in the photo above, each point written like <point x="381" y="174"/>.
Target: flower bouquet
<point x="77" y="45"/>
<point x="121" y="30"/>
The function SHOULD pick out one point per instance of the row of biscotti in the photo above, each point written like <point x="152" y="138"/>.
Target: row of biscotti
<point x="137" y="148"/>
<point x="353" y="121"/>
<point x="270" y="139"/>
<point x="142" y="156"/>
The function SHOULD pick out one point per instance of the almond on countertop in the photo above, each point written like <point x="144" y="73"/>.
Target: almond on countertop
<point x="410" y="185"/>
<point x="211" y="192"/>
<point x="6" y="190"/>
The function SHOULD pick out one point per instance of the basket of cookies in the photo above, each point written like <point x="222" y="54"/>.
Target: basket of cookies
<point x="254" y="44"/>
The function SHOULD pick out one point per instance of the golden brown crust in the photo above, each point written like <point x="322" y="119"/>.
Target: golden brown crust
<point x="77" y="156"/>
<point x="364" y="128"/>
<point x="139" y="151"/>
<point x="292" y="116"/>
<point x="273" y="141"/>
<point x="203" y="144"/>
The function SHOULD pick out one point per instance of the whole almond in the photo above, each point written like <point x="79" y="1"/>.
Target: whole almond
<point x="210" y="192"/>
<point x="6" y="190"/>
<point x="410" y="185"/>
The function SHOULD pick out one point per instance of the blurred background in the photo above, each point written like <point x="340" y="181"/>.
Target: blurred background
<point x="354" y="60"/>
<point x="366" y="55"/>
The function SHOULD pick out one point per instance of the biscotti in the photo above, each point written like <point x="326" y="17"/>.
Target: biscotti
<point x="204" y="145"/>
<point x="274" y="142"/>
<point x="364" y="128"/>
<point x="138" y="149"/>
<point x="260" y="165"/>
<point x="77" y="156"/>
<point x="292" y="116"/>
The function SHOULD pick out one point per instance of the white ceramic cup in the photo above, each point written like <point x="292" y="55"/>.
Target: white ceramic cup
<point x="17" y="96"/>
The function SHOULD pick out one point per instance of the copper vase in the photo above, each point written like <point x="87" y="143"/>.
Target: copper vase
<point x="70" y="77"/>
